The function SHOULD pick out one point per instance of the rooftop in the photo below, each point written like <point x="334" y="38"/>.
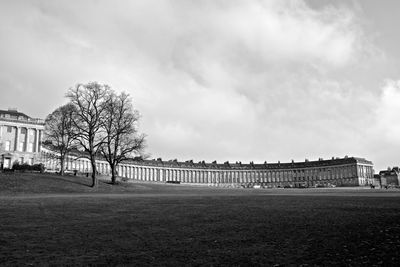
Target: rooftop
<point x="13" y="115"/>
<point x="238" y="165"/>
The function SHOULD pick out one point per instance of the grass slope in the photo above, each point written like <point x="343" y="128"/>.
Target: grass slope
<point x="57" y="220"/>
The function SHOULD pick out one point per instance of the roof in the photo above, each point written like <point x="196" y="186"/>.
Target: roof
<point x="393" y="171"/>
<point x="13" y="113"/>
<point x="239" y="166"/>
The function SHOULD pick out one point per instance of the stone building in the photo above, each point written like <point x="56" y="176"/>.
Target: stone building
<point x="348" y="171"/>
<point x="20" y="138"/>
<point x="390" y="177"/>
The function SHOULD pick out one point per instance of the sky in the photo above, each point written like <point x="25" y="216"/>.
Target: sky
<point x="225" y="80"/>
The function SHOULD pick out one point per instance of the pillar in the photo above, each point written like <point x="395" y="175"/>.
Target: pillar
<point x="25" y="147"/>
<point x="34" y="141"/>
<point x="39" y="140"/>
<point x="17" y="129"/>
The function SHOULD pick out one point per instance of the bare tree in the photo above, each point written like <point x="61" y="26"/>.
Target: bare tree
<point x="89" y="101"/>
<point x="120" y="125"/>
<point x="59" y="131"/>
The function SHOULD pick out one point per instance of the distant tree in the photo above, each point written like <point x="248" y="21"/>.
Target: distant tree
<point x="59" y="131"/>
<point x="89" y="101"/>
<point x="120" y="125"/>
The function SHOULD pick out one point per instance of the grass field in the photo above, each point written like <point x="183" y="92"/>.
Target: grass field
<point x="47" y="219"/>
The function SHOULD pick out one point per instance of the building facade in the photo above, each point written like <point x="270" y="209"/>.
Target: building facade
<point x="390" y="177"/>
<point x="20" y="138"/>
<point x="348" y="171"/>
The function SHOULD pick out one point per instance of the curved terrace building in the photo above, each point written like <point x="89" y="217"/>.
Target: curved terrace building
<point x="348" y="171"/>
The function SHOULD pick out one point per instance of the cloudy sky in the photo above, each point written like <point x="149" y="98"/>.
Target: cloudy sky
<point x="219" y="80"/>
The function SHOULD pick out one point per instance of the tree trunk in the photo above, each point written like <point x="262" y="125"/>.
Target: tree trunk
<point x="94" y="179"/>
<point x="62" y="160"/>
<point x="113" y="176"/>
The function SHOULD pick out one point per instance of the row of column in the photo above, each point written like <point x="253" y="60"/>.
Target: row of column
<point x="365" y="171"/>
<point x="346" y="174"/>
<point x="232" y="176"/>
<point x="83" y="165"/>
<point x="37" y="135"/>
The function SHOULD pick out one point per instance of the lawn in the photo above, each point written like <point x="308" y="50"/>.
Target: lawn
<point x="47" y="219"/>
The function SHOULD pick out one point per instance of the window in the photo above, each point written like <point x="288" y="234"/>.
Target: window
<point x="23" y="130"/>
<point x="21" y="146"/>
<point x="9" y="129"/>
<point x="8" y="145"/>
<point x="30" y="147"/>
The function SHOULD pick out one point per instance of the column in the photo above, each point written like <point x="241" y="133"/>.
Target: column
<point x="25" y="148"/>
<point x="39" y="136"/>
<point x="17" y="129"/>
<point x="36" y="141"/>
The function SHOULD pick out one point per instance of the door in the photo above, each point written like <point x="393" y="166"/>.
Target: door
<point x="7" y="163"/>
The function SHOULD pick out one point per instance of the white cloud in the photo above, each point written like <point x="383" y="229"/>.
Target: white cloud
<point x="225" y="80"/>
<point x="387" y="112"/>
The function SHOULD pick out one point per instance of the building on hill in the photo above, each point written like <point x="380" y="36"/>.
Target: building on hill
<point x="20" y="138"/>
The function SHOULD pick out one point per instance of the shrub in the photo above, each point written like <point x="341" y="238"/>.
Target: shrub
<point x="26" y="167"/>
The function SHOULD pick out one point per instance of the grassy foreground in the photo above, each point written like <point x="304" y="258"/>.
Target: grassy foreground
<point x="55" y="220"/>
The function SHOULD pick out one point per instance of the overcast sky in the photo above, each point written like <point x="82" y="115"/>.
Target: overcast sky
<point x="219" y="80"/>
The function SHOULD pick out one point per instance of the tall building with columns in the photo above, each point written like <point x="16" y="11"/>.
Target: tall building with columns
<point x="20" y="138"/>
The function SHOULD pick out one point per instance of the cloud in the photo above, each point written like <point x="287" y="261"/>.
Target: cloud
<point x="387" y="112"/>
<point x="225" y="80"/>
